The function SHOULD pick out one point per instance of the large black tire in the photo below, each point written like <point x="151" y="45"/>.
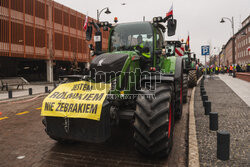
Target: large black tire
<point x="192" y="78"/>
<point x="185" y="87"/>
<point x="154" y="121"/>
<point x="178" y="98"/>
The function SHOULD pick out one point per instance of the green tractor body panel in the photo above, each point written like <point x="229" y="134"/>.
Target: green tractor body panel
<point x="129" y="74"/>
<point x="167" y="65"/>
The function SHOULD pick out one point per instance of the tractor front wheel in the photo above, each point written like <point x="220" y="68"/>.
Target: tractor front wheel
<point x="185" y="87"/>
<point x="154" y="121"/>
<point x="192" y="81"/>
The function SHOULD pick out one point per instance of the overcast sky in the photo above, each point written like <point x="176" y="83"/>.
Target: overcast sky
<point x="201" y="18"/>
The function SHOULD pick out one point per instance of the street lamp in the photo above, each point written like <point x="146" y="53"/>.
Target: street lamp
<point x="233" y="37"/>
<point x="231" y="20"/>
<point x="99" y="13"/>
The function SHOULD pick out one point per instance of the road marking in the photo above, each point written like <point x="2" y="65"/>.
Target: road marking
<point x="21" y="113"/>
<point x="3" y="118"/>
<point x="38" y="108"/>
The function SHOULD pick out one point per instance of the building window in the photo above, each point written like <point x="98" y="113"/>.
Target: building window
<point x="72" y="21"/>
<point x="65" y="18"/>
<point x="4" y="3"/>
<point x="58" y="41"/>
<point x="17" y="5"/>
<point x="40" y="9"/>
<point x="40" y="37"/>
<point x="29" y="7"/>
<point x="16" y="33"/>
<point x="58" y="16"/>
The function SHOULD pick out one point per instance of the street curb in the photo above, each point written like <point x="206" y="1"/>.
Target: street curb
<point x="22" y="98"/>
<point x="193" y="151"/>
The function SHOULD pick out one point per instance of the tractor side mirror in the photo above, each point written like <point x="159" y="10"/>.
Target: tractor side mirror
<point x="171" y="27"/>
<point x="89" y="33"/>
<point x="91" y="47"/>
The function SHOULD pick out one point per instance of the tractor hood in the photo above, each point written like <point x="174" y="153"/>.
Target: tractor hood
<point x="106" y="66"/>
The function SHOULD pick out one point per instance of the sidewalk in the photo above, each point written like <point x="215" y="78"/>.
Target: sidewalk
<point x="240" y="87"/>
<point x="233" y="116"/>
<point x="37" y="88"/>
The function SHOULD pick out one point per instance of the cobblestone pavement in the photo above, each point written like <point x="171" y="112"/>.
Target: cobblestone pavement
<point x="22" y="134"/>
<point x="233" y="116"/>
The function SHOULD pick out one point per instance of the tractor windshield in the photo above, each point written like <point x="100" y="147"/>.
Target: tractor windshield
<point x="127" y="36"/>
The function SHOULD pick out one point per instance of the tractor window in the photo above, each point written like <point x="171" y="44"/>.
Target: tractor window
<point x="159" y="39"/>
<point x="126" y="37"/>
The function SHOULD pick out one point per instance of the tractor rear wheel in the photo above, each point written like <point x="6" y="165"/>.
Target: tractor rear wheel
<point x="185" y="87"/>
<point x="154" y="121"/>
<point x="192" y="82"/>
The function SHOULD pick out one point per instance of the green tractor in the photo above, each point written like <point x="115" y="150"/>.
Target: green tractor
<point x="175" y="48"/>
<point x="146" y="87"/>
<point x="190" y="68"/>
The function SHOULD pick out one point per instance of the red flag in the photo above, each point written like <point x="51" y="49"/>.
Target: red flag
<point x="170" y="12"/>
<point x="86" y="23"/>
<point x="187" y="43"/>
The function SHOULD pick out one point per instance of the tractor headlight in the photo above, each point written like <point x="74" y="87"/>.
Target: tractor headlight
<point x="159" y="19"/>
<point x="164" y="51"/>
<point x="92" y="53"/>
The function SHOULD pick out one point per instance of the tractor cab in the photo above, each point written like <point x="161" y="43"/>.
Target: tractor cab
<point x="127" y="37"/>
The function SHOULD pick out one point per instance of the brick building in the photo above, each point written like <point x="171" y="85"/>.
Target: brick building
<point x="39" y="36"/>
<point x="242" y="43"/>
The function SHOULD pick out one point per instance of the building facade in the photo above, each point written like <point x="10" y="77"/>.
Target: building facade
<point x="242" y="44"/>
<point x="39" y="36"/>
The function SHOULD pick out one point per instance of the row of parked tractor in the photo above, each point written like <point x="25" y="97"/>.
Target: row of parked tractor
<point x="135" y="69"/>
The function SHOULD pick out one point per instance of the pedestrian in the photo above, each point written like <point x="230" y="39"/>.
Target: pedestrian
<point x="216" y="70"/>
<point x="238" y="68"/>
<point x="230" y="70"/>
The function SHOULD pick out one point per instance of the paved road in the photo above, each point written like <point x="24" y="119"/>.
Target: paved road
<point x="22" y="134"/>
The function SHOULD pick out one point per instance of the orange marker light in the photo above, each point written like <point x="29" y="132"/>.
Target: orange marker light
<point x="115" y="19"/>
